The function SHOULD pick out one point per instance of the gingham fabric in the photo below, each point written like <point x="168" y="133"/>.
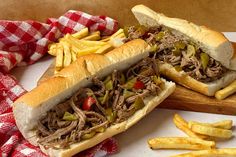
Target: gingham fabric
<point x="24" y="42"/>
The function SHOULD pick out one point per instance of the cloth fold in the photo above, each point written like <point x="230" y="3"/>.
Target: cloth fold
<point x="24" y="42"/>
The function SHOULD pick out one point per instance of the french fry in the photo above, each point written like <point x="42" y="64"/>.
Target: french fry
<point x="104" y="49"/>
<point x="117" y="33"/>
<point x="67" y="54"/>
<point x="52" y="49"/>
<point x="87" y="51"/>
<point x="122" y="35"/>
<point x="224" y="124"/>
<point x="81" y="34"/>
<point x="211" y="131"/>
<point x="93" y="37"/>
<point x="92" y="43"/>
<point x="183" y="125"/>
<point x="225" y="152"/>
<point x="227" y="91"/>
<point x="74" y="42"/>
<point x="73" y="55"/>
<point x="180" y="143"/>
<point x="59" y="58"/>
<point x="106" y="39"/>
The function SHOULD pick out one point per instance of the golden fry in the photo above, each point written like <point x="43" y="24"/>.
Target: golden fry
<point x="117" y="33"/>
<point x="224" y="124"/>
<point x="92" y="43"/>
<point x="73" y="55"/>
<point x="183" y="125"/>
<point x="211" y="131"/>
<point x="105" y="49"/>
<point x="81" y="34"/>
<point x="74" y="42"/>
<point x="52" y="49"/>
<point x="87" y="51"/>
<point x="67" y="54"/>
<point x="92" y="37"/>
<point x="59" y="57"/>
<point x="180" y="143"/>
<point x="227" y="91"/>
<point x="225" y="152"/>
<point x="105" y="39"/>
<point x="122" y="35"/>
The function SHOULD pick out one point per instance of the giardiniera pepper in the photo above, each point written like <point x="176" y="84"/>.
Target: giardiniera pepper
<point x="69" y="117"/>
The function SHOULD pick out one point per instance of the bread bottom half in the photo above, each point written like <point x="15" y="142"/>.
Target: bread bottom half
<point x="187" y="81"/>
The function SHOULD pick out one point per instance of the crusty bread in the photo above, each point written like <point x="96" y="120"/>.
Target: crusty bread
<point x="33" y="105"/>
<point x="212" y="42"/>
<point x="184" y="79"/>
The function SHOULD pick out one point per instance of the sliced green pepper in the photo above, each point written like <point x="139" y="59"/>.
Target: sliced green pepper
<point x="204" y="60"/>
<point x="88" y="135"/>
<point x="109" y="85"/>
<point x="179" y="45"/>
<point x="104" y="98"/>
<point x="142" y="29"/>
<point x="138" y="103"/>
<point x="127" y="93"/>
<point x="101" y="129"/>
<point x="157" y="80"/>
<point x="154" y="48"/>
<point x="126" y="28"/>
<point x="130" y="83"/>
<point x="69" y="117"/>
<point x="178" y="68"/>
<point x="122" y="79"/>
<point x="159" y="36"/>
<point x="111" y="116"/>
<point x="108" y="78"/>
<point x="191" y="50"/>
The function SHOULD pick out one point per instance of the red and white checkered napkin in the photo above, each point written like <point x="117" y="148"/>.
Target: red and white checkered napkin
<point x="27" y="40"/>
<point x="24" y="42"/>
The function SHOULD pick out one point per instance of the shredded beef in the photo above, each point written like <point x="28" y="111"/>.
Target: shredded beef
<point x="190" y="64"/>
<point x="54" y="131"/>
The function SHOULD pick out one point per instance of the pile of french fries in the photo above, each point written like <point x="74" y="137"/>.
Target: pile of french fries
<point x="72" y="46"/>
<point x="202" y="137"/>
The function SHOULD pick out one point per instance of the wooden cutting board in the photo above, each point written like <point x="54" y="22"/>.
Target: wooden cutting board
<point x="185" y="99"/>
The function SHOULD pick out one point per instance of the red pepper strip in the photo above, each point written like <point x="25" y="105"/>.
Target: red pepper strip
<point x="139" y="85"/>
<point x="88" y="102"/>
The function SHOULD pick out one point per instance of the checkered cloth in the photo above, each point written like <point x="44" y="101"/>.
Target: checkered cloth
<point x="24" y="42"/>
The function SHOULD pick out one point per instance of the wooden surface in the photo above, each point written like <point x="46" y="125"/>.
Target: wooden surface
<point x="217" y="14"/>
<point x="185" y="99"/>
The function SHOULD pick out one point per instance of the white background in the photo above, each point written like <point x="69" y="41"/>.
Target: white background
<point x="133" y="142"/>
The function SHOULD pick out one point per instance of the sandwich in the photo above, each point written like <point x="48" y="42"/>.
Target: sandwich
<point x="95" y="98"/>
<point x="194" y="56"/>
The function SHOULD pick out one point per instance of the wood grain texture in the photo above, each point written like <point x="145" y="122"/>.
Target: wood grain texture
<point x="216" y="14"/>
<point x="185" y="99"/>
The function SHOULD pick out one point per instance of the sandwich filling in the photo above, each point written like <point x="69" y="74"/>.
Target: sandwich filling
<point x="106" y="102"/>
<point x="181" y="53"/>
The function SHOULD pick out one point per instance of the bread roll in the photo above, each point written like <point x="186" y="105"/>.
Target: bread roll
<point x="213" y="43"/>
<point x="29" y="108"/>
